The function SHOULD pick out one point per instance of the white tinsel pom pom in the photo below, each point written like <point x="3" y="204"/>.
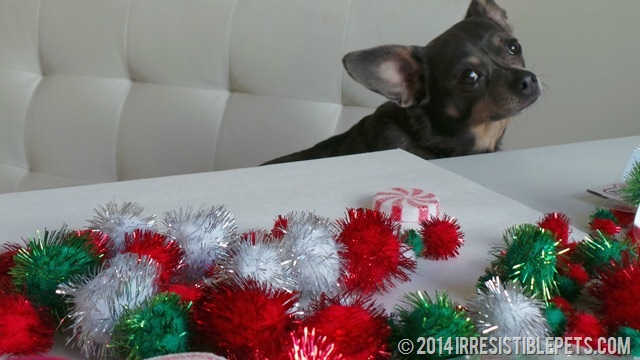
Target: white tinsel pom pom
<point x="205" y="236"/>
<point x="116" y="221"/>
<point x="503" y="310"/>
<point x="317" y="265"/>
<point x="263" y="259"/>
<point x="97" y="302"/>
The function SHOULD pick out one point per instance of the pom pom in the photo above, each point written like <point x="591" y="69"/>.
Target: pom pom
<point x="317" y="265"/>
<point x="630" y="192"/>
<point x="617" y="292"/>
<point x="157" y="327"/>
<point x="558" y="224"/>
<point x="605" y="226"/>
<point x="26" y="328"/>
<point x="582" y="325"/>
<point x="116" y="220"/>
<point x="577" y="273"/>
<point x="244" y="321"/>
<point x="375" y="256"/>
<point x="568" y="288"/>
<point x="307" y="345"/>
<point x="442" y="237"/>
<point x="101" y="241"/>
<point x="556" y="319"/>
<point x="598" y="252"/>
<point x="562" y="304"/>
<point x="412" y="238"/>
<point x="7" y="254"/>
<point x="187" y="293"/>
<point x="262" y="260"/>
<point x="623" y="217"/>
<point x="97" y="302"/>
<point x="279" y="227"/>
<point x="157" y="247"/>
<point x="48" y="261"/>
<point x="529" y="257"/>
<point x="420" y="316"/>
<point x="358" y="328"/>
<point x="503" y="310"/>
<point x="634" y="337"/>
<point x="205" y="235"/>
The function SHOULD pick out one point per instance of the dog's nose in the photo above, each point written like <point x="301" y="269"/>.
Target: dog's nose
<point x="529" y="84"/>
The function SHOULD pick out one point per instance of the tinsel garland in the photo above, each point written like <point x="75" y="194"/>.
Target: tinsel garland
<point x="302" y="289"/>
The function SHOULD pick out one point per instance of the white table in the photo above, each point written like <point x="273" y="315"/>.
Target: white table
<point x="257" y="195"/>
<point x="552" y="178"/>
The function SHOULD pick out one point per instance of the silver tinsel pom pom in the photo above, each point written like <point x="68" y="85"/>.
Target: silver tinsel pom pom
<point x="503" y="310"/>
<point x="262" y="259"/>
<point x="317" y="265"/>
<point x="205" y="235"/>
<point x="97" y="302"/>
<point x="116" y="221"/>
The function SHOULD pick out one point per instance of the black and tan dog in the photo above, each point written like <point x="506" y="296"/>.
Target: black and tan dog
<point x="453" y="97"/>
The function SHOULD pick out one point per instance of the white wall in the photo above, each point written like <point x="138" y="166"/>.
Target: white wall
<point x="587" y="53"/>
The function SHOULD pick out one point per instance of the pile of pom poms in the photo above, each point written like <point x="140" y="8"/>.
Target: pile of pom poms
<point x="123" y="288"/>
<point x="305" y="288"/>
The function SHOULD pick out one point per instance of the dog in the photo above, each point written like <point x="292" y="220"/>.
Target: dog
<point x="453" y="97"/>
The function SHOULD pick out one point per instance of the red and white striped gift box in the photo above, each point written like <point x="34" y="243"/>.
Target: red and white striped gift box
<point x="407" y="204"/>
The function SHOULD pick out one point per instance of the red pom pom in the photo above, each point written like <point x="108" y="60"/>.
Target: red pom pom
<point x="101" y="241"/>
<point x="358" y="330"/>
<point x="606" y="226"/>
<point x="6" y="260"/>
<point x="563" y="304"/>
<point x="244" y="321"/>
<point x="167" y="253"/>
<point x="442" y="238"/>
<point x="25" y="329"/>
<point x="625" y="218"/>
<point x="308" y="345"/>
<point x="373" y="250"/>
<point x="583" y="325"/>
<point x="577" y="273"/>
<point x="187" y="293"/>
<point x="617" y="292"/>
<point x="280" y="227"/>
<point x="558" y="224"/>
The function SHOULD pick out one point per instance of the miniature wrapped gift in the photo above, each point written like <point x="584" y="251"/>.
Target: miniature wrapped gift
<point x="407" y="205"/>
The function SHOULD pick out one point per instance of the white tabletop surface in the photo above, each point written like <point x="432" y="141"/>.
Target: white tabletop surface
<point x="328" y="187"/>
<point x="552" y="178"/>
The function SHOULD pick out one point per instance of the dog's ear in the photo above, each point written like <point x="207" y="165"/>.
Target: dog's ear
<point x="490" y="9"/>
<point x="394" y="71"/>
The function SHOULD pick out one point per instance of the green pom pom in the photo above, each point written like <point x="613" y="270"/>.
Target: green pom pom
<point x="413" y="239"/>
<point x="420" y="316"/>
<point x="529" y="256"/>
<point x="633" y="336"/>
<point x="490" y="272"/>
<point x="158" y="327"/>
<point x="601" y="213"/>
<point x="631" y="191"/>
<point x="598" y="252"/>
<point x="556" y="319"/>
<point x="50" y="260"/>
<point x="568" y="288"/>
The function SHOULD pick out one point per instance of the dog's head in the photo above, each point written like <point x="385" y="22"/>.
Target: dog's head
<point x="471" y="77"/>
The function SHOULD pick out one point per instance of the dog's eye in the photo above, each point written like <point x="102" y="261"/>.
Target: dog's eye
<point x="514" y="47"/>
<point x="469" y="77"/>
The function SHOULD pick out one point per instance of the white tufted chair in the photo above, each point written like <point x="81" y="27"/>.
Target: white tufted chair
<point x="106" y="90"/>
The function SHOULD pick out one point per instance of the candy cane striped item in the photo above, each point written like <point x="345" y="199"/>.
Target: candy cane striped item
<point x="407" y="204"/>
